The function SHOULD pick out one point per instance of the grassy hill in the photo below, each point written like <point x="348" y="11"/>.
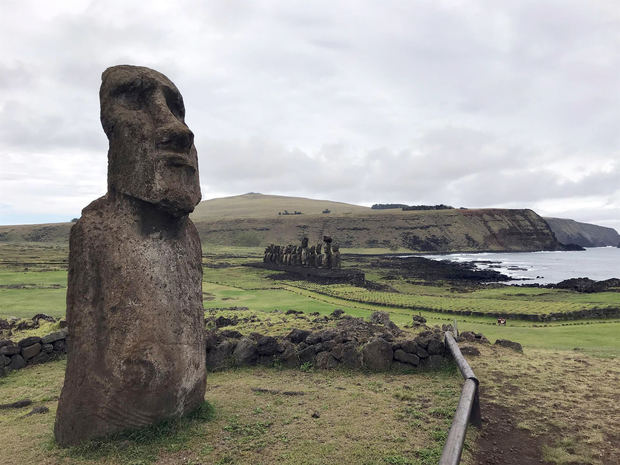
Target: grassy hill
<point x="257" y="220"/>
<point x="255" y="205"/>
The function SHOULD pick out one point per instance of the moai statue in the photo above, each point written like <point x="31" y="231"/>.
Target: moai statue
<point x="327" y="252"/>
<point x="266" y="254"/>
<point x="312" y="257"/>
<point x="336" y="261"/>
<point x="303" y="255"/>
<point x="136" y="352"/>
<point x="318" y="261"/>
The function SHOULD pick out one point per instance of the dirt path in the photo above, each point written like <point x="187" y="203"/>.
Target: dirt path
<point x="501" y="442"/>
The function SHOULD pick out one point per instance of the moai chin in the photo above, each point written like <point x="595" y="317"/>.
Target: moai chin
<point x="136" y="352"/>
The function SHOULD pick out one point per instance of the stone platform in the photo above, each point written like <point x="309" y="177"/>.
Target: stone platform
<point x="325" y="275"/>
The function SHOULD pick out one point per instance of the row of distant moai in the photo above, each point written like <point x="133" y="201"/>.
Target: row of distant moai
<point x="322" y="255"/>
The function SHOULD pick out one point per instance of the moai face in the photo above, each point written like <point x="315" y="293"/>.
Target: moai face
<point x="152" y="156"/>
<point x="304" y="242"/>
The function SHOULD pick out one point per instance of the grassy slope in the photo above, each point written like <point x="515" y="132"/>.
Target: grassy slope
<point x="373" y="419"/>
<point x="265" y="206"/>
<point x="253" y="220"/>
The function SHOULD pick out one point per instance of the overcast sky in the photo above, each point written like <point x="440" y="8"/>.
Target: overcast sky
<point x="469" y="103"/>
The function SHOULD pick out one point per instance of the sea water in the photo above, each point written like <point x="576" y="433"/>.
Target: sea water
<point x="596" y="263"/>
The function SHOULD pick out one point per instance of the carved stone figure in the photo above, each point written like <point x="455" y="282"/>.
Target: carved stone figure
<point x="318" y="261"/>
<point x="312" y="256"/>
<point x="336" y="261"/>
<point x="326" y="260"/>
<point x="136" y="352"/>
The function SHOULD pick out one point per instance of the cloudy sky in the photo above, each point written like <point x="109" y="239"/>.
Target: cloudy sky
<point x="469" y="103"/>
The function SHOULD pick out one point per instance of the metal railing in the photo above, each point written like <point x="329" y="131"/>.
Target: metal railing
<point x="468" y="410"/>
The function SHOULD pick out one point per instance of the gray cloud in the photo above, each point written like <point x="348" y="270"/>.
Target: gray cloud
<point x="480" y="104"/>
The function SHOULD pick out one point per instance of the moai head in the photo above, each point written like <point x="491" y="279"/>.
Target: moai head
<point x="327" y="239"/>
<point x="304" y="242"/>
<point x="152" y="155"/>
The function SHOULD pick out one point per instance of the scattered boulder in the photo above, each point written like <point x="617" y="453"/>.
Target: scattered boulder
<point x="38" y="410"/>
<point x="509" y="344"/>
<point x="337" y="313"/>
<point x="222" y="321"/>
<point x="19" y="404"/>
<point x="470" y="350"/>
<point x="418" y="320"/>
<point x="380" y="318"/>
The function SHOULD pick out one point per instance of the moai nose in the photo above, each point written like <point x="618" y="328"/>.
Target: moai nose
<point x="176" y="137"/>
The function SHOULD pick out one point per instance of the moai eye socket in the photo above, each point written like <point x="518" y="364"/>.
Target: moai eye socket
<point x="133" y="95"/>
<point x="175" y="103"/>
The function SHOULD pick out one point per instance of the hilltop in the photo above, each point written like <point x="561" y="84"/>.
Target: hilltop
<point x="257" y="220"/>
<point x="254" y="205"/>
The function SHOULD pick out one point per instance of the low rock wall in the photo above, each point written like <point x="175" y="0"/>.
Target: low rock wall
<point x="353" y="344"/>
<point x="31" y="350"/>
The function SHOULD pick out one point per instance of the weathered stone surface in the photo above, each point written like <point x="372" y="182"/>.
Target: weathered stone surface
<point x="377" y="355"/>
<point x="17" y="362"/>
<point x="404" y="357"/>
<point x="221" y="356"/>
<point x="326" y="361"/>
<point x="53" y="337"/>
<point x="298" y="335"/>
<point x="380" y="318"/>
<point x="41" y="357"/>
<point x="9" y="349"/>
<point x="4" y="360"/>
<point x="409" y="346"/>
<point x="30" y="351"/>
<point x="267" y="345"/>
<point x="47" y="348"/>
<point x="510" y="344"/>
<point x="28" y="341"/>
<point x="436" y="347"/>
<point x="59" y="346"/>
<point x="288" y="357"/>
<point x="136" y="351"/>
<point x="434" y="362"/>
<point x="245" y="352"/>
<point x="470" y="350"/>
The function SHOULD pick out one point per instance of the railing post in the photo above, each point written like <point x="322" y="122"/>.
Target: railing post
<point x="468" y="410"/>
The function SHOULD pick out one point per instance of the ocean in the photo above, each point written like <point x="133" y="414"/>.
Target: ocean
<point x="596" y="263"/>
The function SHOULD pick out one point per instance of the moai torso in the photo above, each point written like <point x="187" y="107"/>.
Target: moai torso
<point x="136" y="351"/>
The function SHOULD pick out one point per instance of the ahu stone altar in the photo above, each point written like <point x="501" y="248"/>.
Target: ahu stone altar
<point x="136" y="351"/>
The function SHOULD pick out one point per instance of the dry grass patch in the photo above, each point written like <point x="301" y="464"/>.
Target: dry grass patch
<point x="569" y="398"/>
<point x="257" y="416"/>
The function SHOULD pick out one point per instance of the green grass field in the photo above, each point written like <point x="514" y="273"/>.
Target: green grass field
<point x="227" y="283"/>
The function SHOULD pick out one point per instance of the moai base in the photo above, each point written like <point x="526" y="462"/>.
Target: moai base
<point x="136" y="352"/>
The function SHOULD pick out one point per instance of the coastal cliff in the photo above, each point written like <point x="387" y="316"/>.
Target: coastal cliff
<point x="584" y="234"/>
<point x="258" y="220"/>
<point x="455" y="230"/>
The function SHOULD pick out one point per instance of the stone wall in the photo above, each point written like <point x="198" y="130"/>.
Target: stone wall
<point x="31" y="350"/>
<point x="353" y="343"/>
<point x="378" y="345"/>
